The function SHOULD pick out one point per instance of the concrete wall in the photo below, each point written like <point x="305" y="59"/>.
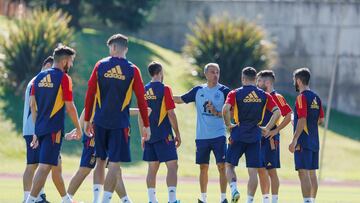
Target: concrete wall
<point x="305" y="33"/>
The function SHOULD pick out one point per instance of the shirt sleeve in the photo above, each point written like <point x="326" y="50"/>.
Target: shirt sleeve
<point x="301" y="106"/>
<point x="90" y="93"/>
<point x="270" y="104"/>
<point x="32" y="90"/>
<point x="284" y="107"/>
<point x="230" y="99"/>
<point x="322" y="114"/>
<point x="66" y="84"/>
<point x="138" y="88"/>
<point x="190" y="95"/>
<point x="169" y="101"/>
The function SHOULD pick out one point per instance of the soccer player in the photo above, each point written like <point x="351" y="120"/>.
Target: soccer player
<point x="210" y="128"/>
<point x="270" y="146"/>
<point x="305" y="144"/>
<point x="32" y="155"/>
<point x="88" y="162"/>
<point x="249" y="104"/>
<point x="51" y="94"/>
<point x="162" y="145"/>
<point x="112" y="81"/>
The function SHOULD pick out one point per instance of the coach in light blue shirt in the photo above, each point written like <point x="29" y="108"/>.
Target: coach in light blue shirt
<point x="209" y="99"/>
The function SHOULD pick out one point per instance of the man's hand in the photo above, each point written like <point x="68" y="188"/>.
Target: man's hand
<point x="212" y="109"/>
<point x="142" y="143"/>
<point x="230" y="127"/>
<point x="88" y="128"/>
<point x="292" y="146"/>
<point x="265" y="132"/>
<point x="35" y="142"/>
<point x="146" y="133"/>
<point x="177" y="141"/>
<point x="272" y="133"/>
<point x="70" y="135"/>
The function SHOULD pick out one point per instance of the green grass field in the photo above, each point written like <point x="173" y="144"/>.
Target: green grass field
<point x="341" y="158"/>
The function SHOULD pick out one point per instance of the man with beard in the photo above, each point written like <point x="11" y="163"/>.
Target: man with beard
<point x="51" y="94"/>
<point x="305" y="144"/>
<point x="270" y="146"/>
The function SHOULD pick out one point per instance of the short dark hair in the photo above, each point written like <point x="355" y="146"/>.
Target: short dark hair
<point x="266" y="74"/>
<point x="62" y="51"/>
<point x="154" y="68"/>
<point x="119" y="39"/>
<point x="249" y="73"/>
<point x="49" y="59"/>
<point x="303" y="74"/>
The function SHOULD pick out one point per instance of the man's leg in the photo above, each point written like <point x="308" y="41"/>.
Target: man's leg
<point x="314" y="184"/>
<point x="232" y="180"/>
<point x="98" y="179"/>
<point x="27" y="179"/>
<point x="203" y="179"/>
<point x="56" y="175"/>
<point x="264" y="184"/>
<point x="110" y="181"/>
<point x="39" y="181"/>
<point x="222" y="180"/>
<point x="275" y="184"/>
<point x="304" y="176"/>
<point x="252" y="183"/>
<point x="171" y="179"/>
<point x="153" y="168"/>
<point x="77" y="180"/>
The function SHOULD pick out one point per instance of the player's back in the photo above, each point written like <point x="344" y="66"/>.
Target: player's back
<point x="49" y="99"/>
<point x="311" y="103"/>
<point x="115" y="77"/>
<point x="249" y="111"/>
<point x="159" y="122"/>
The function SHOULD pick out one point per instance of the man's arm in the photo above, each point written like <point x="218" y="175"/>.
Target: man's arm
<point x="285" y="112"/>
<point x="178" y="100"/>
<point x="33" y="108"/>
<point x="271" y="106"/>
<point x="301" y="110"/>
<point x="174" y="125"/>
<point x="226" y="111"/>
<point x="187" y="97"/>
<point x="322" y="115"/>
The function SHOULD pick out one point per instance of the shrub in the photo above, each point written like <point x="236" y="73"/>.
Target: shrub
<point x="233" y="44"/>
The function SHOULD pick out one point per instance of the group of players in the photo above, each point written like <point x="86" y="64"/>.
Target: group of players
<point x="251" y="114"/>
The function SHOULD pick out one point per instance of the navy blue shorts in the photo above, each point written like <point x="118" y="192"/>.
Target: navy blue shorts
<point x="162" y="151"/>
<point x="204" y="148"/>
<point x="252" y="153"/>
<point x="32" y="155"/>
<point x="270" y="153"/>
<point x="50" y="146"/>
<point x="113" y="144"/>
<point x="306" y="159"/>
<point x="88" y="159"/>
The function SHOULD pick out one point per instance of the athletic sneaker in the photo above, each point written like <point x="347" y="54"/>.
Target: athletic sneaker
<point x="177" y="201"/>
<point x="235" y="197"/>
<point x="43" y="199"/>
<point x="199" y="201"/>
<point x="225" y="201"/>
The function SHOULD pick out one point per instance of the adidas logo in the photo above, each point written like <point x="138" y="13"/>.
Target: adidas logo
<point x="149" y="95"/>
<point x="314" y="104"/>
<point x="252" y="98"/>
<point x="115" y="73"/>
<point x="46" y="82"/>
<point x="269" y="164"/>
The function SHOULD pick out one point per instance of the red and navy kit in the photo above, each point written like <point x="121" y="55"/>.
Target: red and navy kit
<point x="110" y="87"/>
<point x="249" y="104"/>
<point x="161" y="146"/>
<point x="88" y="159"/>
<point x="308" y="105"/>
<point x="51" y="89"/>
<point x="270" y="146"/>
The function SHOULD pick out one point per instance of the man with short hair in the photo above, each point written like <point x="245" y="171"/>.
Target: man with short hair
<point x="249" y="104"/>
<point x="270" y="146"/>
<point x="210" y="129"/>
<point x="111" y="84"/>
<point x="305" y="144"/>
<point x="162" y="145"/>
<point x="32" y="155"/>
<point x="51" y="94"/>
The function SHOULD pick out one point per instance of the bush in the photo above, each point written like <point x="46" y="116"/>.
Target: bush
<point x="29" y="42"/>
<point x="233" y="44"/>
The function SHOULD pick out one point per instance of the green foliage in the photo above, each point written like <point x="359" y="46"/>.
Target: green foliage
<point x="29" y="42"/>
<point x="233" y="44"/>
<point x="131" y="14"/>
